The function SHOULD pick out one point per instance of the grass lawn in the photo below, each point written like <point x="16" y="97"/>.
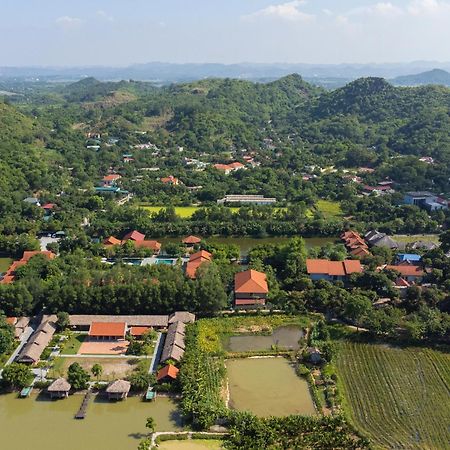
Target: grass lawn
<point x="329" y="208"/>
<point x="193" y="444"/>
<point x="408" y="238"/>
<point x="113" y="368"/>
<point x="72" y="345"/>
<point x="398" y="397"/>
<point x="185" y="212"/>
<point x="4" y="264"/>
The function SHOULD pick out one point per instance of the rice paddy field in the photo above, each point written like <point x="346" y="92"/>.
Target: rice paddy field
<point x="399" y="398"/>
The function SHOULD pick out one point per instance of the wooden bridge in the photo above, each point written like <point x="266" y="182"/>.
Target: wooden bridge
<point x="81" y="414"/>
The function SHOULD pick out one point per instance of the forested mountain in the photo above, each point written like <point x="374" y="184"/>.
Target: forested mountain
<point x="435" y="76"/>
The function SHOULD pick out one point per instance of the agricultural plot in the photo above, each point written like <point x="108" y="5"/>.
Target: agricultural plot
<point x="400" y="398"/>
<point x="329" y="208"/>
<point x="4" y="264"/>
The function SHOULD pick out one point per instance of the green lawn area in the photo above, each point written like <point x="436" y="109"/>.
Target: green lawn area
<point x="398" y="397"/>
<point x="4" y="264"/>
<point x="408" y="238"/>
<point x="329" y="208"/>
<point x="72" y="345"/>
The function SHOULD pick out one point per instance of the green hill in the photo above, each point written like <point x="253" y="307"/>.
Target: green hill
<point x="435" y="76"/>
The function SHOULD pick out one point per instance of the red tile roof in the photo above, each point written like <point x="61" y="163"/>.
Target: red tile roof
<point x="112" y="241"/>
<point x="333" y="268"/>
<point x="112" y="177"/>
<point x="202" y="255"/>
<point x="138" y="331"/>
<point x="170" y="180"/>
<point x="134" y="236"/>
<point x="168" y="371"/>
<point x="360" y="251"/>
<point x="99" y="329"/>
<point x="49" y="206"/>
<point x="407" y="270"/>
<point x="401" y="282"/>
<point x="28" y="255"/>
<point x="191" y="240"/>
<point x="152" y="245"/>
<point x="250" y="282"/>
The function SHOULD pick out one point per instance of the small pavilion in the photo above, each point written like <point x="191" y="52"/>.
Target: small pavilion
<point x="59" y="388"/>
<point x="118" y="390"/>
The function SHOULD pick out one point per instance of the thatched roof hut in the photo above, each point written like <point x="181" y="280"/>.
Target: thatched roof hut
<point x="59" y="388"/>
<point x="118" y="389"/>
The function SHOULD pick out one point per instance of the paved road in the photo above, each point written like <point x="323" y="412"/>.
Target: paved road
<point x="156" y="354"/>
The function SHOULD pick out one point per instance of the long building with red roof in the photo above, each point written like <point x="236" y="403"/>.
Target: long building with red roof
<point x="323" y="269"/>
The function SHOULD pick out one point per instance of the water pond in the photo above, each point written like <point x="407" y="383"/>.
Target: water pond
<point x="285" y="337"/>
<point x="40" y="424"/>
<point x="268" y="387"/>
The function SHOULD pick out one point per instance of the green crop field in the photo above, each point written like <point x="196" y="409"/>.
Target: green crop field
<point x="399" y="398"/>
<point x="329" y="208"/>
<point x="185" y="212"/>
<point x="4" y="264"/>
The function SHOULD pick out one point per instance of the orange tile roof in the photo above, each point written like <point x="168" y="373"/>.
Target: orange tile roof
<point x="134" y="236"/>
<point x="112" y="177"/>
<point x="191" y="240"/>
<point x="192" y="267"/>
<point x="202" y="254"/>
<point x="11" y="320"/>
<point x="153" y="245"/>
<point x="111" y="240"/>
<point x="138" y="331"/>
<point x="401" y="282"/>
<point x="170" y="179"/>
<point x="333" y="268"/>
<point x="99" y="329"/>
<point x="251" y="282"/>
<point x="360" y="251"/>
<point x="168" y="371"/>
<point x="407" y="270"/>
<point x="28" y="255"/>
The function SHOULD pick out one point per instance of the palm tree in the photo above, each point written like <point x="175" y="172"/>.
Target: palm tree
<point x="97" y="370"/>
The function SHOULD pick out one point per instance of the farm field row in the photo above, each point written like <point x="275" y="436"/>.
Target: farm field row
<point x="398" y="397"/>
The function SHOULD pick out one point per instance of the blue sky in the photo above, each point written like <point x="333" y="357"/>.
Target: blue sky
<point x="122" y="32"/>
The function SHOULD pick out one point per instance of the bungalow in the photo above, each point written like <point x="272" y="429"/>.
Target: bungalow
<point x="171" y="180"/>
<point x="167" y="374"/>
<point x="111" y="241"/>
<point x="411" y="258"/>
<point x="138" y="239"/>
<point x="323" y="269"/>
<point x="138" y="332"/>
<point x="190" y="241"/>
<point x="107" y="331"/>
<point x="134" y="235"/>
<point x="111" y="179"/>
<point x="195" y="261"/>
<point x="250" y="289"/>
<point x="118" y="390"/>
<point x="408" y="272"/>
<point x="19" y="324"/>
<point x="174" y="344"/>
<point x="59" y="388"/>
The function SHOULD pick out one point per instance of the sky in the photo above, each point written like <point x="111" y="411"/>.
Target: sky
<point x="123" y="32"/>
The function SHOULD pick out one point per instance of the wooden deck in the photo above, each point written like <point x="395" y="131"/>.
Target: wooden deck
<point x="81" y="414"/>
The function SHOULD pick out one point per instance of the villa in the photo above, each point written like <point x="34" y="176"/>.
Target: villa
<point x="250" y="289"/>
<point x="323" y="269"/>
<point x="195" y="261"/>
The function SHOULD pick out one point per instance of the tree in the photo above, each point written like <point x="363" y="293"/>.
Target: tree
<point x="77" y="376"/>
<point x="357" y="308"/>
<point x="150" y="424"/>
<point x="97" y="370"/>
<point x="144" y="444"/>
<point x="210" y="293"/>
<point x="17" y="375"/>
<point x="6" y="335"/>
<point x="63" y="321"/>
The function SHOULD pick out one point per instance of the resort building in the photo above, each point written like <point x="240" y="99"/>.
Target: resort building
<point x="409" y="272"/>
<point x="182" y="316"/>
<point x="137" y="238"/>
<point x="171" y="180"/>
<point x="250" y="289"/>
<point x="323" y="269"/>
<point x="107" y="331"/>
<point x="60" y="388"/>
<point x="190" y="241"/>
<point x="20" y="325"/>
<point x="228" y="168"/>
<point x="39" y="340"/>
<point x="111" y="179"/>
<point x="118" y="390"/>
<point x="247" y="199"/>
<point x="174" y="344"/>
<point x="426" y="200"/>
<point x="195" y="261"/>
<point x="167" y="374"/>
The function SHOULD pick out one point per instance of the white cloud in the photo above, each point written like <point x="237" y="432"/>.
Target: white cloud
<point x="286" y="11"/>
<point x="67" y="22"/>
<point x="428" y="7"/>
<point x="385" y="9"/>
<point x="105" y="16"/>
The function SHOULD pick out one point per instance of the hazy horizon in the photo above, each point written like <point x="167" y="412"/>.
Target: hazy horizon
<point x="115" y="33"/>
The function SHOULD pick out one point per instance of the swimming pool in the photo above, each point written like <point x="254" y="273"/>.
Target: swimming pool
<point x="169" y="262"/>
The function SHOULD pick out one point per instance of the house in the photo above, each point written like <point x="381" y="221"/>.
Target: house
<point x="134" y="235"/>
<point x="83" y="322"/>
<point x="228" y="168"/>
<point x="111" y="241"/>
<point x="408" y="272"/>
<point x="20" y="325"/>
<point x="190" y="241"/>
<point x="355" y="244"/>
<point x="39" y="340"/>
<point x="174" y="343"/>
<point x="323" y="269"/>
<point x="107" y="331"/>
<point x="426" y="200"/>
<point x="59" y="388"/>
<point x="118" y="390"/>
<point x="250" y="289"/>
<point x="48" y="208"/>
<point x="154" y="246"/>
<point x="111" y="179"/>
<point x="167" y="374"/>
<point x="314" y="355"/>
<point x="376" y="239"/>
<point x="408" y="258"/>
<point x="247" y="199"/>
<point x="138" y="332"/>
<point x="360" y="252"/>
<point x="195" y="261"/>
<point x="171" y="180"/>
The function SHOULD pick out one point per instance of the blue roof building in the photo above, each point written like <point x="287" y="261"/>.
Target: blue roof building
<point x="409" y="257"/>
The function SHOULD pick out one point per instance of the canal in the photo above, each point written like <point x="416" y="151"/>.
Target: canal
<point x="40" y="424"/>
